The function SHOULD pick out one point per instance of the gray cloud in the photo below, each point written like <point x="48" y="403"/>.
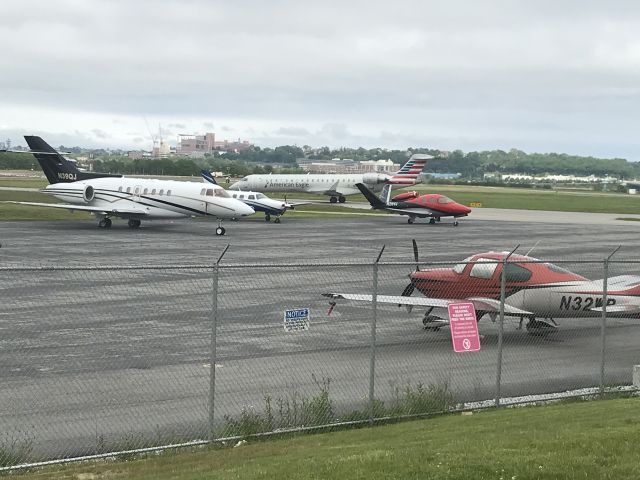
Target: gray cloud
<point x="534" y="75"/>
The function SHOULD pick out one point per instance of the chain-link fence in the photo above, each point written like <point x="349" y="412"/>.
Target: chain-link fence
<point x="99" y="360"/>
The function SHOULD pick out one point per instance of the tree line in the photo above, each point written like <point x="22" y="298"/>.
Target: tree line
<point x="470" y="165"/>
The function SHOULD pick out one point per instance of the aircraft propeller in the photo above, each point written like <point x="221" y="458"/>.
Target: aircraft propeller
<point x="408" y="290"/>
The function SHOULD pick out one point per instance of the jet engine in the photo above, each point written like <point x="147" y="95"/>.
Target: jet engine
<point x="375" y="178"/>
<point x="405" y="196"/>
<point x="88" y="194"/>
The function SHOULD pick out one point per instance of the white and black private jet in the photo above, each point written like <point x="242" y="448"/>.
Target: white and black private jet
<point x="133" y="199"/>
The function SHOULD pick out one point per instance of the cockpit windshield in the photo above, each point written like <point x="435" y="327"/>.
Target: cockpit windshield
<point x="459" y="268"/>
<point x="557" y="269"/>
<point x="444" y="200"/>
<point x="220" y="192"/>
<point x="260" y="195"/>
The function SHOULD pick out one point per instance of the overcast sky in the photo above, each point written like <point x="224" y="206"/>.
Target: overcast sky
<point x="540" y="76"/>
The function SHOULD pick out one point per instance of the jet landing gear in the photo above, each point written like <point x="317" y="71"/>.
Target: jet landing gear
<point x="134" y="223"/>
<point x="220" y="229"/>
<point x="267" y="218"/>
<point x="337" y="199"/>
<point x="104" y="223"/>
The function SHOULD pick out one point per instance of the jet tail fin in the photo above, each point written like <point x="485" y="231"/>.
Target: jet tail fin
<point x="410" y="172"/>
<point x="56" y="168"/>
<point x="371" y="197"/>
<point x="208" y="176"/>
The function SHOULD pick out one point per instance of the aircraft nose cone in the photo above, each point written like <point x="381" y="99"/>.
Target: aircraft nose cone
<point x="245" y="210"/>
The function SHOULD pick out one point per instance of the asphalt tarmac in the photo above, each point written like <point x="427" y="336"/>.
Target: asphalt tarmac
<point x="114" y="358"/>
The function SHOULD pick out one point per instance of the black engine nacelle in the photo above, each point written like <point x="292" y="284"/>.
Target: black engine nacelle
<point x="375" y="178"/>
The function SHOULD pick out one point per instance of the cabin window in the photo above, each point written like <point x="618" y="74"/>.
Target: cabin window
<point x="161" y="192"/>
<point x="432" y="200"/>
<point x="153" y="192"/>
<point x="241" y="196"/>
<point x="483" y="268"/>
<point x="144" y="192"/>
<point x="209" y="192"/>
<point x="517" y="273"/>
<point x="202" y="192"/>
<point x="120" y="189"/>
<point x="251" y="197"/>
<point x="128" y="189"/>
<point x="234" y="195"/>
<point x="168" y="192"/>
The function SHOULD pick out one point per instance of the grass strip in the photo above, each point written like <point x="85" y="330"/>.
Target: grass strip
<point x="568" y="440"/>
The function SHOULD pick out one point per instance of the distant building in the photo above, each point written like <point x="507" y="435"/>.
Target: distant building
<point x="347" y="165"/>
<point x="230" y="146"/>
<point x="197" y="145"/>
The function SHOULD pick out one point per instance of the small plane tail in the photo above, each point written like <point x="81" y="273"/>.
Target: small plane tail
<point x="56" y="168"/>
<point x="375" y="201"/>
<point x="410" y="172"/>
<point x="208" y="176"/>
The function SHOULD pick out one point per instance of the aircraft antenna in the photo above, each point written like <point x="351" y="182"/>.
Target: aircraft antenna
<point x="532" y="248"/>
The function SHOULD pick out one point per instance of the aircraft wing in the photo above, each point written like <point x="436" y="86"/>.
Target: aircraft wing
<point x="630" y="309"/>
<point x="86" y="208"/>
<point x="480" y="303"/>
<point x="332" y="190"/>
<point x="418" y="212"/>
<point x="394" y="299"/>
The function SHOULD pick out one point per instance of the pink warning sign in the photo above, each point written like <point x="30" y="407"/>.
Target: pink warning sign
<point x="464" y="327"/>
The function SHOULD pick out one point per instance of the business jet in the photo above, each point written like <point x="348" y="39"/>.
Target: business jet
<point x="256" y="200"/>
<point x="431" y="205"/>
<point x="536" y="291"/>
<point x="133" y="199"/>
<point x="335" y="185"/>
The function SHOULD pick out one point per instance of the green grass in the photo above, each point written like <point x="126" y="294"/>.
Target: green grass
<point x="489" y="197"/>
<point x="10" y="211"/>
<point x="582" y="440"/>
<point x="23" y="182"/>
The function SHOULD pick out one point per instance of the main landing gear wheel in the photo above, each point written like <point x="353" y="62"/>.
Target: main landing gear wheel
<point x="220" y="231"/>
<point x="410" y="220"/>
<point x="333" y="200"/>
<point x="104" y="223"/>
<point x="277" y="220"/>
<point x="455" y="223"/>
<point x="342" y="199"/>
<point x="432" y="221"/>
<point x="134" y="223"/>
<point x="267" y="217"/>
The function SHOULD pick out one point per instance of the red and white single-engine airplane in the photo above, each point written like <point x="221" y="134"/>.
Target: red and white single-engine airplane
<point x="431" y="205"/>
<point x="535" y="290"/>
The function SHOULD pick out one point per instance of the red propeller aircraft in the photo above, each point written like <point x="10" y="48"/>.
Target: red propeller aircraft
<point x="535" y="290"/>
<point x="432" y="205"/>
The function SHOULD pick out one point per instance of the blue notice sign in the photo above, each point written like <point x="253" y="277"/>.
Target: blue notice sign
<point x="296" y="319"/>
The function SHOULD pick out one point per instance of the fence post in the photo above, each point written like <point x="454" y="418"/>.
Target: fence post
<point x="212" y="352"/>
<point x="503" y="287"/>
<point x="372" y="351"/>
<point x="603" y="324"/>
